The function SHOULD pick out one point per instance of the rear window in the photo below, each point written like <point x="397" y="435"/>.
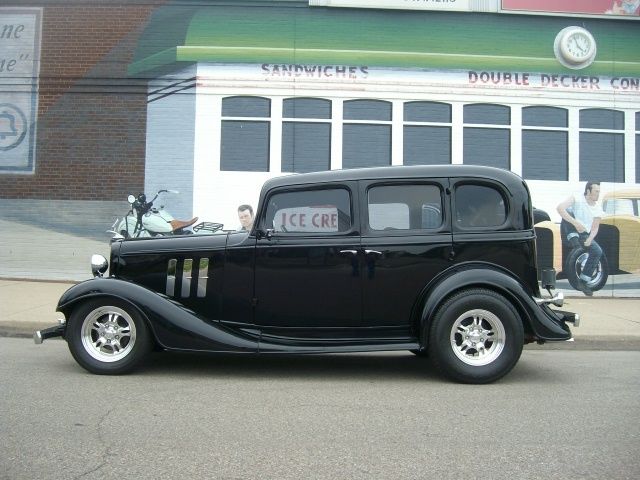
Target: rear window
<point x="478" y="206"/>
<point x="404" y="207"/>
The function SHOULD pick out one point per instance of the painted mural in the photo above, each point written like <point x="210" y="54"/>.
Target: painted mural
<point x="210" y="101"/>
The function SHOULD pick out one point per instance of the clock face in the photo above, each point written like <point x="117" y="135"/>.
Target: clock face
<point x="575" y="47"/>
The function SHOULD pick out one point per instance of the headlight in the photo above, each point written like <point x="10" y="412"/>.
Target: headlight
<point x="99" y="265"/>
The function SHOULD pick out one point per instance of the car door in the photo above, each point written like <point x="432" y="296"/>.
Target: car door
<point x="406" y="242"/>
<point x="487" y="227"/>
<point x="307" y="275"/>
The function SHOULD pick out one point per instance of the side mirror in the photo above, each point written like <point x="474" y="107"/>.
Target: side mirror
<point x="131" y="199"/>
<point x="268" y="234"/>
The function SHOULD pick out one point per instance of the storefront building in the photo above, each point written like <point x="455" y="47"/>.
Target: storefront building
<point x="213" y="98"/>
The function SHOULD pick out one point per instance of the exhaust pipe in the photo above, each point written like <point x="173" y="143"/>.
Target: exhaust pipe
<point x="40" y="336"/>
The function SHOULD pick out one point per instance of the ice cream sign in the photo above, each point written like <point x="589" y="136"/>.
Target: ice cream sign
<point x="19" y="70"/>
<point x="306" y="219"/>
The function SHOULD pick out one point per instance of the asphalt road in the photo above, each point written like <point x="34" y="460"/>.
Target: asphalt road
<point x="558" y="415"/>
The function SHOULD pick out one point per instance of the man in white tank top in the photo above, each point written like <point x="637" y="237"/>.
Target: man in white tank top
<point x="584" y="213"/>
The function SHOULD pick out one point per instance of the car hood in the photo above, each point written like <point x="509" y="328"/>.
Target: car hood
<point x="170" y="244"/>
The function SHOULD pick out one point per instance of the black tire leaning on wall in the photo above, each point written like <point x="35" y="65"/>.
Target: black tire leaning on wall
<point x="483" y="317"/>
<point x="573" y="268"/>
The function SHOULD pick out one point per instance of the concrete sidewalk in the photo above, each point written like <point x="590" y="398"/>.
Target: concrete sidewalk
<point x="607" y="323"/>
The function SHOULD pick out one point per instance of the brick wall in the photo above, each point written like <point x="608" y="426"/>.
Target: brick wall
<point x="91" y="118"/>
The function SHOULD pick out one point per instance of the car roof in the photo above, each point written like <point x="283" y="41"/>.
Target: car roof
<point x="397" y="172"/>
<point x="622" y="194"/>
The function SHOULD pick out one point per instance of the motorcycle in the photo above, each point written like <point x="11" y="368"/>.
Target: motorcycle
<point x="144" y="220"/>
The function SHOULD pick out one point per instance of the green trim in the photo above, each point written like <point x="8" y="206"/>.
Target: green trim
<point x="376" y="38"/>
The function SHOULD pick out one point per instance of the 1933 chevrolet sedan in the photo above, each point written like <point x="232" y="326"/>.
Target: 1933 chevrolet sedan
<point x="436" y="260"/>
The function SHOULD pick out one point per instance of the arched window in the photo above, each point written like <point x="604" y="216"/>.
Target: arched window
<point x="601" y="145"/>
<point x="366" y="134"/>
<point x="244" y="144"/>
<point x="487" y="135"/>
<point x="306" y="135"/>
<point x="427" y="133"/>
<point x="545" y="150"/>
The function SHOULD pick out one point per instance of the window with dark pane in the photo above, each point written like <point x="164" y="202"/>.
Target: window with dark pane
<point x="601" y="157"/>
<point x="316" y="108"/>
<point x="367" y="110"/>
<point x="487" y="146"/>
<point x="599" y="118"/>
<point x="545" y="117"/>
<point x="306" y="147"/>
<point x="244" y="146"/>
<point x="246" y="107"/>
<point x="427" y="112"/>
<point x="426" y="145"/>
<point x="366" y="145"/>
<point x="545" y="155"/>
<point x="637" y="158"/>
<point x="488" y="114"/>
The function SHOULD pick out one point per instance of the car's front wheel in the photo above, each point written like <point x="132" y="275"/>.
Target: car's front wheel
<point x="107" y="336"/>
<point x="476" y="337"/>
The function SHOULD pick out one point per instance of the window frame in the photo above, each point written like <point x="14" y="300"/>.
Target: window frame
<point x="506" y="225"/>
<point x="348" y="187"/>
<point x="440" y="183"/>
<point x="235" y="119"/>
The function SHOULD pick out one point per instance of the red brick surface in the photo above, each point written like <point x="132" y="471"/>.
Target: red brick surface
<point x="91" y="118"/>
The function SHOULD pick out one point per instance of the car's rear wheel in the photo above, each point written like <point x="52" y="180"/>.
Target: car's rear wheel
<point x="476" y="337"/>
<point x="107" y="336"/>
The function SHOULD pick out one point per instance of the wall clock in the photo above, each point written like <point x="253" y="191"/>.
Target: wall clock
<point x="575" y="47"/>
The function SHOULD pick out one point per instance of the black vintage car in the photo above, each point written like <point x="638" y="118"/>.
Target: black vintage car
<point x="436" y="260"/>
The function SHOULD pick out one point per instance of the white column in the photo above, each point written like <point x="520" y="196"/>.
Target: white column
<point x="630" y="128"/>
<point x="516" y="139"/>
<point x="336" y="133"/>
<point x="457" y="133"/>
<point x="574" y="144"/>
<point x="275" y="138"/>
<point x="206" y="148"/>
<point x="397" y="133"/>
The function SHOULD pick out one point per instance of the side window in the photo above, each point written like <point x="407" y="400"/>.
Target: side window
<point x="479" y="206"/>
<point x="404" y="207"/>
<point x="326" y="211"/>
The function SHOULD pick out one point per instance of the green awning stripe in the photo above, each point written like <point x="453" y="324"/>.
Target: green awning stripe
<point x="396" y="39"/>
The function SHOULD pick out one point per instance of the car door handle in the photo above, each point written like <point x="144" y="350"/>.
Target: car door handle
<point x="373" y="252"/>
<point x="351" y="252"/>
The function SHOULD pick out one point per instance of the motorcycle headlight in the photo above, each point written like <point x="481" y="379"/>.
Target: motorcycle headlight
<point x="99" y="265"/>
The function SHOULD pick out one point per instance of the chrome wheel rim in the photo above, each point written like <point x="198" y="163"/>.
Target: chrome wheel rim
<point x="108" y="334"/>
<point x="477" y="337"/>
<point x="581" y="262"/>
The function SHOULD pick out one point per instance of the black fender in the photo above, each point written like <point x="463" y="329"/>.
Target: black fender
<point x="540" y="319"/>
<point x="173" y="326"/>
